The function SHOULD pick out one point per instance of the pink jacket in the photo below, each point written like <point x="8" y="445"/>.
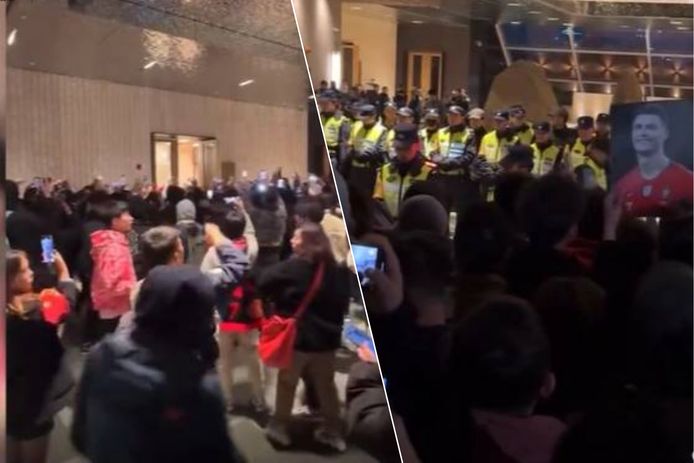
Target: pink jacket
<point x="113" y="274"/>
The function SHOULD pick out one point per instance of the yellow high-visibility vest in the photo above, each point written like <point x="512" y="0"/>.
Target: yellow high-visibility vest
<point x="544" y="160"/>
<point x="577" y="157"/>
<point x="362" y="139"/>
<point x="391" y="187"/>
<point x="331" y="128"/>
<point x="429" y="142"/>
<point x="494" y="149"/>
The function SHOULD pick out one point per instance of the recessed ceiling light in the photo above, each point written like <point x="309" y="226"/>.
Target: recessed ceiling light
<point x="676" y="23"/>
<point x="625" y="26"/>
<point x="513" y="4"/>
<point x="417" y="21"/>
<point x="516" y="23"/>
<point x="246" y="82"/>
<point x="12" y="38"/>
<point x="355" y="7"/>
<point x="534" y="12"/>
<point x="682" y="28"/>
<point x="567" y="24"/>
<point x="149" y="65"/>
<point x="552" y="19"/>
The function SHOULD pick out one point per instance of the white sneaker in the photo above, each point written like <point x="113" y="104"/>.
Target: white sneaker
<point x="278" y="434"/>
<point x="333" y="441"/>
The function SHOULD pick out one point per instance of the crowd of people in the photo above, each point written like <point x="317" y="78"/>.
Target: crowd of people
<point x="523" y="313"/>
<point x="165" y="291"/>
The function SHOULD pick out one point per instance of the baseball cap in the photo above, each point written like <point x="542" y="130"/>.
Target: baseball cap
<point x="585" y="122"/>
<point x="432" y="114"/>
<point x="542" y="127"/>
<point x="405" y="135"/>
<point x="603" y="117"/>
<point x="455" y="109"/>
<point x="476" y="113"/>
<point x="367" y="110"/>
<point x="405" y="112"/>
<point x="503" y="115"/>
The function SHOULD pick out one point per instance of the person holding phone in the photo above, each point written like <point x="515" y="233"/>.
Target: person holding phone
<point x="34" y="357"/>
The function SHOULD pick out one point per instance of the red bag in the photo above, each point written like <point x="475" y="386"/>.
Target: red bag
<point x="54" y="306"/>
<point x="277" y="336"/>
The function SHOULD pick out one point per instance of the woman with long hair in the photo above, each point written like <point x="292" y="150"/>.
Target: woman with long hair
<point x="319" y="330"/>
<point x="34" y="355"/>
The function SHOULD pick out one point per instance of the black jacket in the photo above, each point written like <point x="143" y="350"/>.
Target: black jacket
<point x="151" y="394"/>
<point x="320" y="327"/>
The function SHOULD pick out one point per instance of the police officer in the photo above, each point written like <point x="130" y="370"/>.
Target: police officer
<point x="561" y="133"/>
<point x="545" y="151"/>
<point x="368" y="150"/>
<point x="429" y="134"/>
<point x="495" y="144"/>
<point x="581" y="152"/>
<point x="476" y="129"/>
<point x="336" y="126"/>
<point x="602" y="126"/>
<point x="522" y="130"/>
<point x="405" y="115"/>
<point x="408" y="167"/>
<point x="452" y="158"/>
<point x="389" y="118"/>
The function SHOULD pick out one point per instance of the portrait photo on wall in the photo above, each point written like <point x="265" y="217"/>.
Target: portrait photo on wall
<point x="652" y="155"/>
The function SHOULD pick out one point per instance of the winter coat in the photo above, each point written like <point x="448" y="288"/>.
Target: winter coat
<point x="113" y="274"/>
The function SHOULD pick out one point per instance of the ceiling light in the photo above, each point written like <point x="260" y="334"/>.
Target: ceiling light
<point x="246" y="82"/>
<point x="513" y="4"/>
<point x="417" y="21"/>
<point x="676" y="23"/>
<point x="355" y="7"/>
<point x="516" y="23"/>
<point x="682" y="28"/>
<point x="12" y="38"/>
<point x="31" y="63"/>
<point x="149" y="65"/>
<point x="567" y="24"/>
<point x="534" y="12"/>
<point x="552" y="19"/>
<point x="624" y="26"/>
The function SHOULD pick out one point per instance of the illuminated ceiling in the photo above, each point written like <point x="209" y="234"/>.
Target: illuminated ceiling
<point x="582" y="45"/>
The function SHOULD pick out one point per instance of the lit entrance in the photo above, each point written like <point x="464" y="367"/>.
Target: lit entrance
<point x="181" y="158"/>
<point x="424" y="72"/>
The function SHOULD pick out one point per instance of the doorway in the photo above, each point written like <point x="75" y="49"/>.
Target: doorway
<point x="181" y="158"/>
<point x="424" y="71"/>
<point x="351" y="66"/>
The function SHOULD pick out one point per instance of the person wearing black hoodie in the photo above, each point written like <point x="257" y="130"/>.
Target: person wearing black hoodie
<point x="152" y="394"/>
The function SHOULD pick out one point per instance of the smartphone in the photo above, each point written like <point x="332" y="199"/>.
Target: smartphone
<point x="367" y="257"/>
<point x="210" y="194"/>
<point x="47" y="249"/>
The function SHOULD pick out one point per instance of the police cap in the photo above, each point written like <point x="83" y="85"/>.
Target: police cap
<point x="328" y="95"/>
<point x="517" y="109"/>
<point x="501" y="115"/>
<point x="603" y="118"/>
<point x="542" y="127"/>
<point x="455" y="109"/>
<point x="432" y="114"/>
<point x="476" y="113"/>
<point x="585" y="122"/>
<point x="405" y="112"/>
<point x="405" y="135"/>
<point x="367" y="110"/>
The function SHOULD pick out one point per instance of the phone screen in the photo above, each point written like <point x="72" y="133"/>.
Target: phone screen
<point x="366" y="257"/>
<point x="47" y="249"/>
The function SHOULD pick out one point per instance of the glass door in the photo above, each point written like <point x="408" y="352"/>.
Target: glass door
<point x="424" y="71"/>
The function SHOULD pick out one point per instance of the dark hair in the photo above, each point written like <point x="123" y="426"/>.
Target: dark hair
<point x="157" y="246"/>
<point x="653" y="110"/>
<point x="500" y="355"/>
<point x="483" y="238"/>
<point x="591" y="225"/>
<point x="425" y="259"/>
<point x="228" y="217"/>
<point x="311" y="210"/>
<point x="175" y="194"/>
<point x="507" y="191"/>
<point x="106" y="211"/>
<point x="11" y="195"/>
<point x="315" y="246"/>
<point x="428" y="188"/>
<point x="13" y="262"/>
<point x="549" y="207"/>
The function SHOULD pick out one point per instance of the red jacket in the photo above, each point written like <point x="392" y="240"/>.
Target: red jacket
<point x="113" y="275"/>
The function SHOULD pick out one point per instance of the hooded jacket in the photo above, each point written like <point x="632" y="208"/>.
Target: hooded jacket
<point x="113" y="274"/>
<point x="152" y="394"/>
